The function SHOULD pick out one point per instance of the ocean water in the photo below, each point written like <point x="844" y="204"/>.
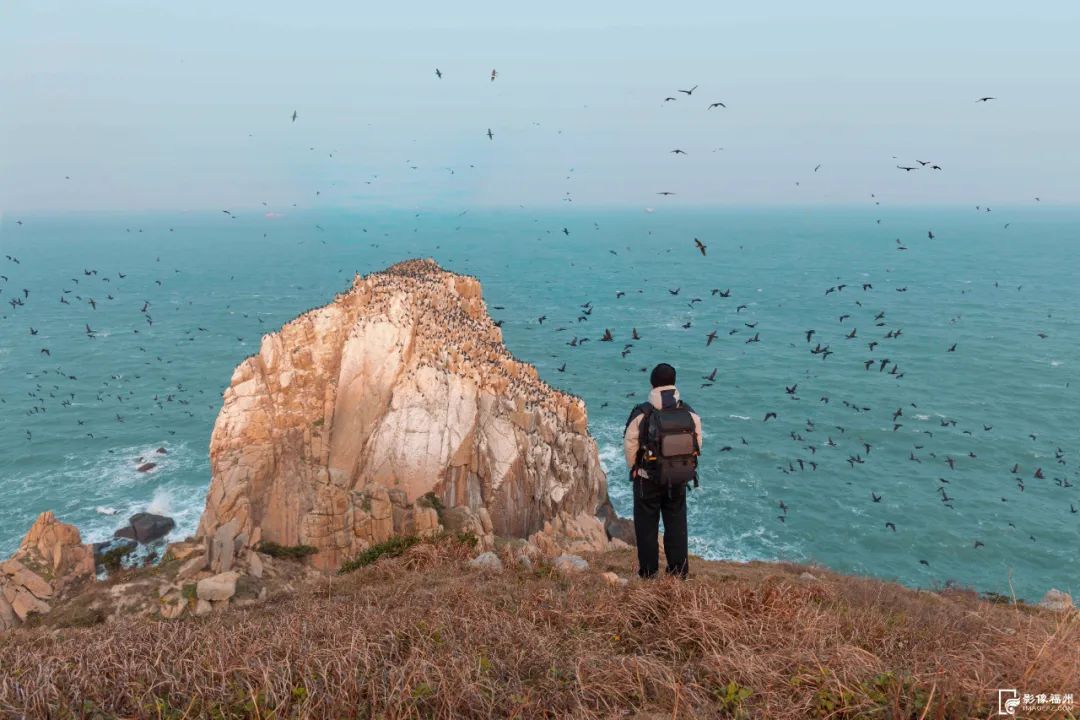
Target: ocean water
<point x="199" y="290"/>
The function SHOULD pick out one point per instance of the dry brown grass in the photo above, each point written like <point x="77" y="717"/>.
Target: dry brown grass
<point x="424" y="636"/>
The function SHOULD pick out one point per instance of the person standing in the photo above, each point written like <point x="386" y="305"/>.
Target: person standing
<point x="661" y="443"/>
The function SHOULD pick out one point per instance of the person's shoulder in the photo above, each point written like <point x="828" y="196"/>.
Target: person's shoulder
<point x="687" y="406"/>
<point x="639" y="409"/>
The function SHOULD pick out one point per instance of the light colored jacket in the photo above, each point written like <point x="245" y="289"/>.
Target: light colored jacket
<point x="631" y="438"/>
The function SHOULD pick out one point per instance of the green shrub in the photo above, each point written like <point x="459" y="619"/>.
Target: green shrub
<point x="393" y="547"/>
<point x="466" y="538"/>
<point x="113" y="559"/>
<point x="731" y="697"/>
<point x="286" y="552"/>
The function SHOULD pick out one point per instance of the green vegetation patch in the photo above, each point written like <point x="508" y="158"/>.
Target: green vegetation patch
<point x="113" y="559"/>
<point x="393" y="547"/>
<point x="432" y="500"/>
<point x="286" y="552"/>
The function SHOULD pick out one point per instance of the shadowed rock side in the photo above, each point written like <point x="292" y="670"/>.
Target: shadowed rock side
<point x="334" y="433"/>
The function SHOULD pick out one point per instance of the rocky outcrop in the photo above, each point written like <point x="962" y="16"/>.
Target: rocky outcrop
<point x="50" y="559"/>
<point x="1057" y="600"/>
<point x="396" y="409"/>
<point x="146" y="528"/>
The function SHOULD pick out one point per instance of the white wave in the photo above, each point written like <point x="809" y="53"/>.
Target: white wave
<point x="924" y="417"/>
<point x="611" y="456"/>
<point x="735" y="546"/>
<point x="103" y="510"/>
<point x="161" y="502"/>
<point x="738" y="417"/>
<point x="1055" y="363"/>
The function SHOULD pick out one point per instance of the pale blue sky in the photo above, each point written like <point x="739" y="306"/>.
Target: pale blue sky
<point x="152" y="105"/>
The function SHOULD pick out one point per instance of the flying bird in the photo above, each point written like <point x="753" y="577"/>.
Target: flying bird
<point x="716" y="104"/>
<point x="690" y="91"/>
<point x="700" y="246"/>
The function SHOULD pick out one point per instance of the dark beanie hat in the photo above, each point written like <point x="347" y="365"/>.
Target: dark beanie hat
<point x="662" y="374"/>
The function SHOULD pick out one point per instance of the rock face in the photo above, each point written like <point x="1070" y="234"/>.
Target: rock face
<point x="50" y="558"/>
<point x="387" y="410"/>
<point x="59" y="546"/>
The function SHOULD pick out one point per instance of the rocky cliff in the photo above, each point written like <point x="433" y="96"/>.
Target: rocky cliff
<point x="50" y="558"/>
<point x="396" y="409"/>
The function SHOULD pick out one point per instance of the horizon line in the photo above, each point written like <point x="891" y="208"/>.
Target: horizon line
<point x="264" y="212"/>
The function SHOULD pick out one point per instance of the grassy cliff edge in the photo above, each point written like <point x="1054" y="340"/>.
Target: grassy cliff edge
<point x="424" y="635"/>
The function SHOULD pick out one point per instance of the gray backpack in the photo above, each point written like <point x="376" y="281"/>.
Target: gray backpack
<point x="669" y="448"/>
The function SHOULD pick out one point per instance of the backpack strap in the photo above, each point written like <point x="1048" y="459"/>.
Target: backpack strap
<point x="641" y="409"/>
<point x="645" y="409"/>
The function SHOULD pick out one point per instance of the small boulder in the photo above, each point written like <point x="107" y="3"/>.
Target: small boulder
<point x="146" y="467"/>
<point x="202" y="607"/>
<point x="808" y="577"/>
<point x="570" y="563"/>
<point x="255" y="564"/>
<point x="161" y="451"/>
<point x="217" y="587"/>
<point x="146" y="527"/>
<point x="1057" y="600"/>
<point x="182" y="550"/>
<point x="612" y="579"/>
<point x="487" y="561"/>
<point x="172" y="605"/>
<point x="191" y="567"/>
<point x="461" y="519"/>
<point x="617" y="528"/>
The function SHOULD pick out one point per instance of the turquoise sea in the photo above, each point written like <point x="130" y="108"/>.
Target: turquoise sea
<point x="198" y="290"/>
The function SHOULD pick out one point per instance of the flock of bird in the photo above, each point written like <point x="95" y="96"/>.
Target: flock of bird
<point x="815" y="445"/>
<point x="863" y="335"/>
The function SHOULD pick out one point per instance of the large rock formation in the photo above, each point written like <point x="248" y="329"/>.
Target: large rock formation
<point x="393" y="410"/>
<point x="50" y="558"/>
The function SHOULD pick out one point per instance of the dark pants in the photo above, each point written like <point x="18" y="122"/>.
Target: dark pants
<point x="650" y="502"/>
